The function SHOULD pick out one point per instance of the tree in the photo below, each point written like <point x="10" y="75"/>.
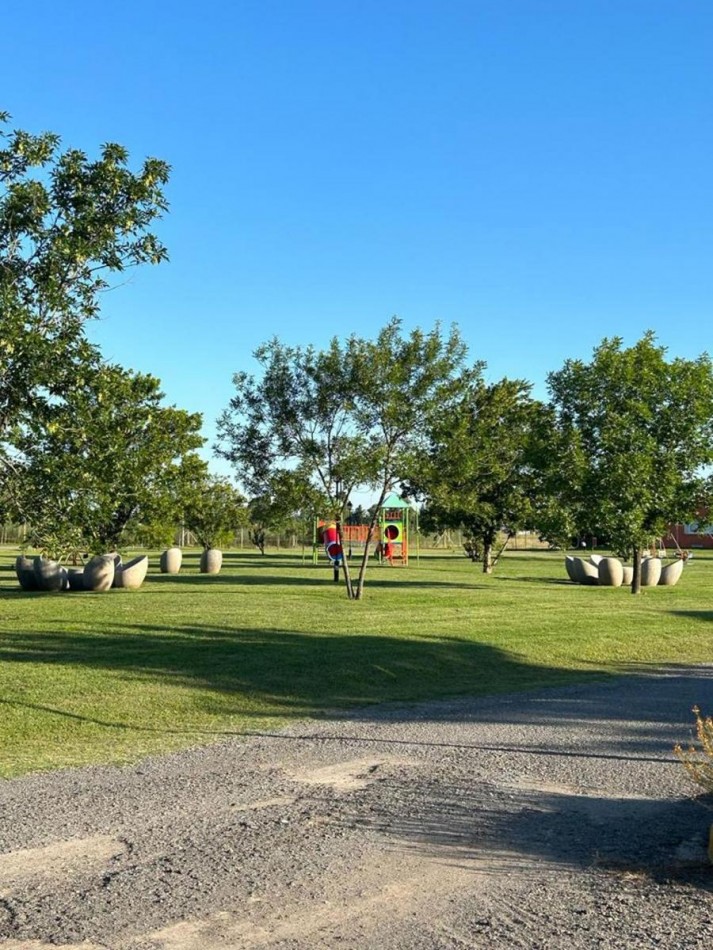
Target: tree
<point x="557" y="462"/>
<point x="400" y="383"/>
<point x="641" y="428"/>
<point x="66" y="223"/>
<point x="290" y="433"/>
<point x="358" y="515"/>
<point x="476" y="470"/>
<point x="341" y="418"/>
<point x="104" y="459"/>
<point x="287" y="504"/>
<point x="213" y="511"/>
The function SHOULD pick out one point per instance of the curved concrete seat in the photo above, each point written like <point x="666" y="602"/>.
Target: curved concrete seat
<point x="211" y="561"/>
<point x="49" y="574"/>
<point x="585" y="572"/>
<point x="611" y="572"/>
<point x="25" y="571"/>
<point x="131" y="575"/>
<point x="570" y="568"/>
<point x="99" y="573"/>
<point x="671" y="574"/>
<point x="76" y="578"/>
<point x="650" y="571"/>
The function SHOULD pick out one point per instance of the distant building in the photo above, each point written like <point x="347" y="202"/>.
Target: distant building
<point x="697" y="534"/>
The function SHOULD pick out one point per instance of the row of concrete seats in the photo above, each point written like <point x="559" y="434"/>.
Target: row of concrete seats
<point x="100" y="573"/>
<point x="610" y="572"/>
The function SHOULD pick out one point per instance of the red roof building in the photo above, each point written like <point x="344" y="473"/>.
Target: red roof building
<point x="698" y="534"/>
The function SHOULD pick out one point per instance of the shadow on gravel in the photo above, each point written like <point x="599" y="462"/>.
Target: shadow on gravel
<point x="518" y="822"/>
<point x="637" y="717"/>
<point x="516" y="829"/>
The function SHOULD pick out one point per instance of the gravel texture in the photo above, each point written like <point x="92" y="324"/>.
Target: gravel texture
<point x="557" y="819"/>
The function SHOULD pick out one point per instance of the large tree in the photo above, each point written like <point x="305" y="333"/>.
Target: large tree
<point x="103" y="460"/>
<point x="339" y="418"/>
<point x="400" y="382"/>
<point x="289" y="431"/>
<point x="476" y="470"/>
<point x="67" y="223"/>
<point x="641" y="430"/>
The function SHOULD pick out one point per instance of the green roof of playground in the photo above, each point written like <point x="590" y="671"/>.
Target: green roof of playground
<point x="395" y="501"/>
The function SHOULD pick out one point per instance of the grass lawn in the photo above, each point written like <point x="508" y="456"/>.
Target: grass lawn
<point x="112" y="677"/>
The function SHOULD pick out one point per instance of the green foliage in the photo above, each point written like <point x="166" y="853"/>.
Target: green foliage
<point x="359" y="515"/>
<point x="557" y="462"/>
<point x="213" y="510"/>
<point x="476" y="469"/>
<point x="640" y="430"/>
<point x="104" y="460"/>
<point x="66" y="223"/>
<point x="290" y="431"/>
<point x="325" y="422"/>
<point x="400" y="382"/>
<point x="289" y="505"/>
<point x="58" y="539"/>
<point x="698" y="761"/>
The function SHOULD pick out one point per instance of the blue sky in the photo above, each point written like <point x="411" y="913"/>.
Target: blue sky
<point x="537" y="172"/>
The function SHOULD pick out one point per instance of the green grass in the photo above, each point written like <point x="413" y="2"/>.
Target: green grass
<point x="112" y="677"/>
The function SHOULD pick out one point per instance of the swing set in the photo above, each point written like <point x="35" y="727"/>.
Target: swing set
<point x="658" y="548"/>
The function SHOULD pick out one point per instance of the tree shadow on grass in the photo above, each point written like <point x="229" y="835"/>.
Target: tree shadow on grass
<point x="314" y="580"/>
<point x="545" y="581"/>
<point x="694" y="614"/>
<point x="276" y="672"/>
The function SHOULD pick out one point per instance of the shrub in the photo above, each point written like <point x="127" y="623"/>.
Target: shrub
<point x="698" y="761"/>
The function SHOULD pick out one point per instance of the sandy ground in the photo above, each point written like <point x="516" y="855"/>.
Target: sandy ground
<point x="557" y="819"/>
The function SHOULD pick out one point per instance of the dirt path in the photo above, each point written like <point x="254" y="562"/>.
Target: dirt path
<point x="554" y="820"/>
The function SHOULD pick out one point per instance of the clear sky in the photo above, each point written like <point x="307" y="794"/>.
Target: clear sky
<point x="536" y="171"/>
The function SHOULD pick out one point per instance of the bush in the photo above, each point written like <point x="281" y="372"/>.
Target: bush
<point x="698" y="761"/>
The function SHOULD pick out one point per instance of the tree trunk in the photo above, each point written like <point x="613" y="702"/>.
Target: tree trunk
<point x="488" y="539"/>
<point x="358" y="593"/>
<point x="487" y="557"/>
<point x="636" y="582"/>
<point x="345" y="563"/>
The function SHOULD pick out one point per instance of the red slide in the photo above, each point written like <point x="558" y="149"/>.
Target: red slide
<point x="332" y="547"/>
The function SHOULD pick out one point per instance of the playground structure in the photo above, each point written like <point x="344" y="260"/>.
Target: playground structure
<point x="390" y="537"/>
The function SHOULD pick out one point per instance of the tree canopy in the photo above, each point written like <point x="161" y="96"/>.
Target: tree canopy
<point x="214" y="509"/>
<point x="641" y="428"/>
<point x="340" y="418"/>
<point x="102" y="460"/>
<point x="88" y="451"/>
<point x="67" y="222"/>
<point x="476" y="470"/>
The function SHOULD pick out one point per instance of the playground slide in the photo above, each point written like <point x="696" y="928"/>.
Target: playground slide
<point x="332" y="547"/>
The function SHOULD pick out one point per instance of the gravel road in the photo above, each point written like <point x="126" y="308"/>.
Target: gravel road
<point x="556" y="819"/>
